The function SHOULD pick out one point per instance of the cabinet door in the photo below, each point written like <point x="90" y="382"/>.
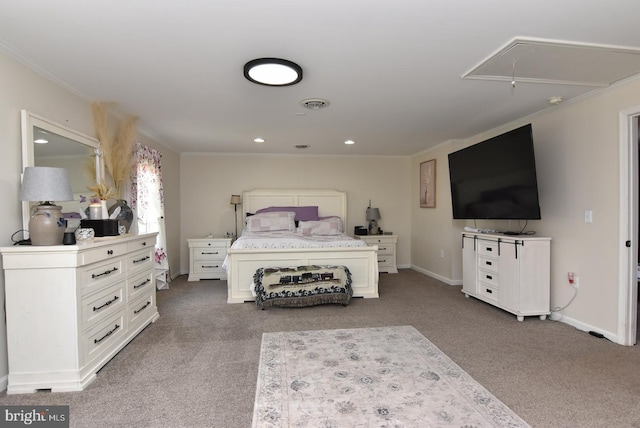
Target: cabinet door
<point x="509" y="262"/>
<point x="469" y="265"/>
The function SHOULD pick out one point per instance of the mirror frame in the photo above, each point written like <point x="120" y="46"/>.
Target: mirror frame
<point x="28" y="122"/>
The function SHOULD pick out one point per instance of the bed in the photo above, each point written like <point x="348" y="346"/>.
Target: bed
<point x="241" y="264"/>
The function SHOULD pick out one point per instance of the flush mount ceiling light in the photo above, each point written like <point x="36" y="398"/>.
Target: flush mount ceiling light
<point x="273" y="72"/>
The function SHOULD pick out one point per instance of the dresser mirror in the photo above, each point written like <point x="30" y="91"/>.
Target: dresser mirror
<point x="64" y="148"/>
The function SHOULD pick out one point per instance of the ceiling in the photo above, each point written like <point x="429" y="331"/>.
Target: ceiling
<point x="392" y="71"/>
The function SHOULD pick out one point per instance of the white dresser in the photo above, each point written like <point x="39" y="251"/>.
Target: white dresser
<point x="206" y="256"/>
<point x="70" y="309"/>
<point x="386" y="251"/>
<point x="512" y="273"/>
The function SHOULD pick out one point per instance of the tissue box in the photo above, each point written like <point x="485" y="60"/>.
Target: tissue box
<point x="101" y="227"/>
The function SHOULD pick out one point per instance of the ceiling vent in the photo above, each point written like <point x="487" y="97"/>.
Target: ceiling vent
<point x="314" y="103"/>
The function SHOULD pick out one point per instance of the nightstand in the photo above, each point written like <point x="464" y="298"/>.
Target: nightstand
<point x="206" y="256"/>
<point x="386" y="251"/>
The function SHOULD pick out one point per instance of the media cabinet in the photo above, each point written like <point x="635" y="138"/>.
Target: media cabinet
<point x="509" y="272"/>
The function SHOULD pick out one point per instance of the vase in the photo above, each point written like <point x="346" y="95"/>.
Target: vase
<point x="104" y="210"/>
<point x="125" y="214"/>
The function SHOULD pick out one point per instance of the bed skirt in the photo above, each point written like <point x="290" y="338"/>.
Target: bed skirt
<point x="301" y="286"/>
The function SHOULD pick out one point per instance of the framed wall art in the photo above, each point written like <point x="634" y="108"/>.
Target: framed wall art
<point x="428" y="184"/>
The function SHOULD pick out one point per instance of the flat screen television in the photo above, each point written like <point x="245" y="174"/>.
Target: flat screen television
<point x="496" y="178"/>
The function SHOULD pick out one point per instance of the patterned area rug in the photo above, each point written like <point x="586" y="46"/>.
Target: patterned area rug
<point x="368" y="377"/>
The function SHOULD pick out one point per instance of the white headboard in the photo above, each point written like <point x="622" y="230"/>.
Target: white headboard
<point x="329" y="202"/>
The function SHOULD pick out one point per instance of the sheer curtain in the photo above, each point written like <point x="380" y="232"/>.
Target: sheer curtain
<point x="147" y="202"/>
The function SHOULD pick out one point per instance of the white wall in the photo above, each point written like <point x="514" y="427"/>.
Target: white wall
<point x="22" y="88"/>
<point x="577" y="160"/>
<point x="208" y="181"/>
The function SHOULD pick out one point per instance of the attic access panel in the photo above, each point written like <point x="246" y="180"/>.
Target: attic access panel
<point x="542" y="61"/>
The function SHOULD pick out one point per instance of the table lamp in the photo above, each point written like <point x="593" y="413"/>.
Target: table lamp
<point x="373" y="214"/>
<point x="235" y="201"/>
<point x="44" y="184"/>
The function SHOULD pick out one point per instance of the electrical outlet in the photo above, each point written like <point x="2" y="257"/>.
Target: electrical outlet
<point x="442" y="254"/>
<point x="576" y="282"/>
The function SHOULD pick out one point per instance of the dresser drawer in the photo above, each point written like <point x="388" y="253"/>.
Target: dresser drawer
<point x="487" y="248"/>
<point x="489" y="277"/>
<point x="139" y="284"/>
<point x="105" y="334"/>
<point x="103" y="253"/>
<point x="140" y="260"/>
<point x="488" y="292"/>
<point x="489" y="264"/>
<point x="102" y="304"/>
<point x="140" y="244"/>
<point x="141" y="310"/>
<point x="99" y="275"/>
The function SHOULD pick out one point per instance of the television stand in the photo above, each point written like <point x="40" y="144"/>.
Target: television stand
<point x="508" y="272"/>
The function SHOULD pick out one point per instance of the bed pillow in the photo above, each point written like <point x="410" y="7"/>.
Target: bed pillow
<point x="307" y="213"/>
<point x="327" y="227"/>
<point x="271" y="222"/>
<point x="335" y="219"/>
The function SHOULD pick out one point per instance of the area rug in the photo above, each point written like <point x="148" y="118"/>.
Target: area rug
<point x="368" y="377"/>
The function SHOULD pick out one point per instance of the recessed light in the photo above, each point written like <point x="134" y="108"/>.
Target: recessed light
<point x="349" y="142"/>
<point x="40" y="141"/>
<point x="259" y="140"/>
<point x="555" y="100"/>
<point x="273" y="72"/>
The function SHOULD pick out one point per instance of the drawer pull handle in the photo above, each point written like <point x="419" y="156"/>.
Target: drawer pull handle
<point x="488" y="263"/>
<point x="210" y="266"/>
<point x="489" y="291"/>
<point x="136" y="312"/>
<point x="110" y="252"/>
<point x="489" y="249"/>
<point x="382" y="248"/>
<point x="135" y="287"/>
<point x="489" y="277"/>
<point x="144" y="259"/>
<point x="215" y="252"/>
<point x="109" y="333"/>
<point x="96" y="275"/>
<point x="144" y="243"/>
<point x="115" y="298"/>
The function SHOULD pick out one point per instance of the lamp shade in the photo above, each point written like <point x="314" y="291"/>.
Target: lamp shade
<point x="236" y="200"/>
<point x="373" y="214"/>
<point x="43" y="183"/>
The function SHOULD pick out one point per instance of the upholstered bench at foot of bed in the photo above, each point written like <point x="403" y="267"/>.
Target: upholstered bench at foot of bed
<point x="300" y="286"/>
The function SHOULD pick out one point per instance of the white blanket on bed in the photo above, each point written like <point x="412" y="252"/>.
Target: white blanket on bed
<point x="283" y="239"/>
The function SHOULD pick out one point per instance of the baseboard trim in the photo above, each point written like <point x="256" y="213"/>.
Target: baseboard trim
<point x="4" y="382"/>
<point x="436" y="276"/>
<point x="588" y="327"/>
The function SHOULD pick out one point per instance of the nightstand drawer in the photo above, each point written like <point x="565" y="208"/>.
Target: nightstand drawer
<point x="208" y="266"/>
<point x="213" y="253"/>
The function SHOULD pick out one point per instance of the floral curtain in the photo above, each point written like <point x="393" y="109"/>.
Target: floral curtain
<point x="147" y="202"/>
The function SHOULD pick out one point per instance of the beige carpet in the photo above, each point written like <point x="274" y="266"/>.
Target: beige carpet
<point x="368" y="377"/>
<point x="197" y="365"/>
